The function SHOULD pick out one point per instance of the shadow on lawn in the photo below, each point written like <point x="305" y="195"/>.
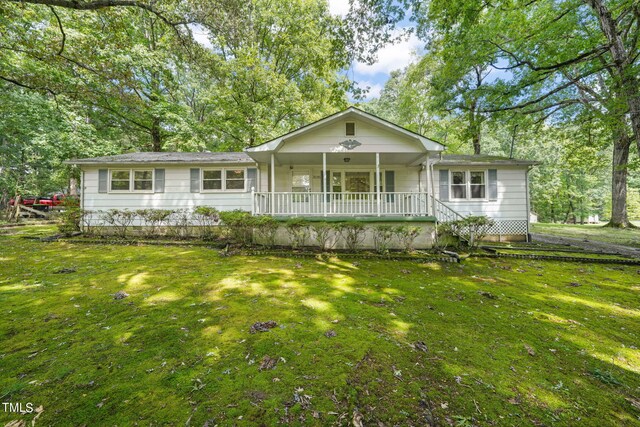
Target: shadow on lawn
<point x="532" y="349"/>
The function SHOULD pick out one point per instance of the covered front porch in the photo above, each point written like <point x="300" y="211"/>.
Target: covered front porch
<point x="344" y="184"/>
<point x="351" y="163"/>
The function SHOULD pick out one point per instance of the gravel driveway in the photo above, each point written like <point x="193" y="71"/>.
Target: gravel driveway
<point x="590" y="245"/>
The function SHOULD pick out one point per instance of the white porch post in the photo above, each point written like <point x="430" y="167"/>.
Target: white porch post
<point x="378" y="181"/>
<point x="253" y="201"/>
<point x="324" y="184"/>
<point x="273" y="183"/>
<point x="427" y="189"/>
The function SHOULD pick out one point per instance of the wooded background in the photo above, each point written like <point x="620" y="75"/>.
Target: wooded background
<point x="553" y="81"/>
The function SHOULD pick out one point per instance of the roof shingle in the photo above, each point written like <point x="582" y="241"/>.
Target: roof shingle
<point x="165" y="157"/>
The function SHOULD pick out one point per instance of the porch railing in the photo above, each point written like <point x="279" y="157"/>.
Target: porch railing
<point x="345" y="204"/>
<point x="444" y="213"/>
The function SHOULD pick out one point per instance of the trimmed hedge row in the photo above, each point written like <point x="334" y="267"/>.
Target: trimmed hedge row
<point x="240" y="227"/>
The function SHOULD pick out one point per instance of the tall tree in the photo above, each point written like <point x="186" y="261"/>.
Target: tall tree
<point x="558" y="54"/>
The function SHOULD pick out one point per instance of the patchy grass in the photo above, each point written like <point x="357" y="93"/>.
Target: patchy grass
<point x="512" y="342"/>
<point x="628" y="237"/>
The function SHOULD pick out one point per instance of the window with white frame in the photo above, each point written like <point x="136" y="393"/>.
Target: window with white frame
<point x="212" y="179"/>
<point x="131" y="180"/>
<point x="477" y="184"/>
<point x="468" y="184"/>
<point x="142" y="180"/>
<point x="300" y="183"/>
<point x="120" y="180"/>
<point x="459" y="185"/>
<point x="223" y="180"/>
<point x="234" y="179"/>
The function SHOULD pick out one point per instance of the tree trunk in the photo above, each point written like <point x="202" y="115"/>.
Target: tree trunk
<point x="73" y="187"/>
<point x="622" y="64"/>
<point x="621" y="145"/>
<point x="156" y="138"/>
<point x="474" y="127"/>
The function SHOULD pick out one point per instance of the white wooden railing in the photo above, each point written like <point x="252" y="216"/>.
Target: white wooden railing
<point x="345" y="204"/>
<point x="444" y="213"/>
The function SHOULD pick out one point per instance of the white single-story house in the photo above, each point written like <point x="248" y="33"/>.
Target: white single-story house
<point x="349" y="164"/>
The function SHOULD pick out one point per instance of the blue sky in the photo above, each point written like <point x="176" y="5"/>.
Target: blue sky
<point x="391" y="57"/>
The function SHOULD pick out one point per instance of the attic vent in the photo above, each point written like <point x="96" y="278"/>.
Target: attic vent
<point x="350" y="129"/>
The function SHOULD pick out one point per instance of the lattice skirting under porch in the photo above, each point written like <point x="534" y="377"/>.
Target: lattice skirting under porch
<point x="508" y="228"/>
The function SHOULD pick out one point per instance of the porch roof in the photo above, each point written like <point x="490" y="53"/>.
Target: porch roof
<point x="426" y="144"/>
<point x="349" y="159"/>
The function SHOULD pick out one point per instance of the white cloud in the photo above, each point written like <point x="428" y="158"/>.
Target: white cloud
<point x="338" y="7"/>
<point x="201" y="35"/>
<point x="391" y="57"/>
<point x="374" y="89"/>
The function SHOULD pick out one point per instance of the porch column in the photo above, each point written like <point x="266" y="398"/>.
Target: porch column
<point x="378" y="181"/>
<point x="273" y="183"/>
<point x="324" y="184"/>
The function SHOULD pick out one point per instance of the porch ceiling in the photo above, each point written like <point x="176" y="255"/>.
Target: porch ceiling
<point x="358" y="159"/>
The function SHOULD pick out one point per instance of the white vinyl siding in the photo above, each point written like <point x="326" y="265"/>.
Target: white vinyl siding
<point x="176" y="194"/>
<point x="511" y="203"/>
<point x="373" y="138"/>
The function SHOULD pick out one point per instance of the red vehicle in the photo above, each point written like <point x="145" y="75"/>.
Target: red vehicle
<point x="52" y="200"/>
<point x="26" y="200"/>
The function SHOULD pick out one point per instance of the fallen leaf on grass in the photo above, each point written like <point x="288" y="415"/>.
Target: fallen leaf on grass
<point x="120" y="295"/>
<point x="633" y="401"/>
<point x="357" y="418"/>
<point x="487" y="294"/>
<point x="330" y="334"/>
<point x="267" y="363"/>
<point x="530" y="350"/>
<point x="262" y="326"/>
<point x="420" y="345"/>
<point x="303" y="399"/>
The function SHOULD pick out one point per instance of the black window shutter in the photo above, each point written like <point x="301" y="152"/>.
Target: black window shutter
<point x="493" y="184"/>
<point x="327" y="181"/>
<point x="390" y="185"/>
<point x="103" y="180"/>
<point x="195" y="180"/>
<point x="159" y="181"/>
<point x="444" y="185"/>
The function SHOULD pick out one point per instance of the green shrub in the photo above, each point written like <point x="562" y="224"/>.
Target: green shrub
<point x="207" y="218"/>
<point x="353" y="234"/>
<point x="70" y="217"/>
<point x="118" y="220"/>
<point x="265" y="229"/>
<point x="298" y="229"/>
<point x="323" y="233"/>
<point x="178" y="223"/>
<point x="472" y="228"/>
<point x="444" y="237"/>
<point x="239" y="225"/>
<point x="407" y="235"/>
<point x="382" y="235"/>
<point x="153" y="219"/>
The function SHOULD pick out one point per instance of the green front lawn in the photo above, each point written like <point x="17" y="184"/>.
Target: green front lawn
<point x="628" y="237"/>
<point x="508" y="342"/>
